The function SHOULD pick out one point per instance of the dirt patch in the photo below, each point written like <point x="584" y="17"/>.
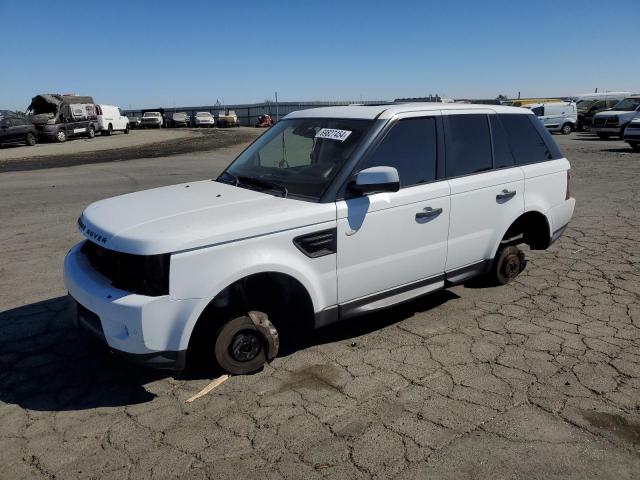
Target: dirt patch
<point x="202" y="140"/>
<point x="619" y="426"/>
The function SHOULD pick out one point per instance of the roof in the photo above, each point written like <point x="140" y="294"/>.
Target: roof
<point x="371" y="112"/>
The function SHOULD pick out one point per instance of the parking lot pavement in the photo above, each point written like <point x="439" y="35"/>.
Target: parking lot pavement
<point x="537" y="379"/>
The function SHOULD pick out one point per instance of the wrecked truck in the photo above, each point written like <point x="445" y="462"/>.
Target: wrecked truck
<point x="59" y="117"/>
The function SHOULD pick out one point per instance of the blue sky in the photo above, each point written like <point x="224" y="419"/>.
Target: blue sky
<point x="167" y="53"/>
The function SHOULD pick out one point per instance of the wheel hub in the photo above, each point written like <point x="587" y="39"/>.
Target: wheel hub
<point x="245" y="346"/>
<point x="511" y="266"/>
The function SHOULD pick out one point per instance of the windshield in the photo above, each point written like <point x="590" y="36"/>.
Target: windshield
<point x="151" y="114"/>
<point x="627" y="105"/>
<point x="297" y="157"/>
<point x="203" y="114"/>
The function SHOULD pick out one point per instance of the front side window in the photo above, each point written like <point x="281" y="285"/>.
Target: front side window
<point x="526" y="144"/>
<point x="468" y="145"/>
<point x="411" y="148"/>
<point x="298" y="156"/>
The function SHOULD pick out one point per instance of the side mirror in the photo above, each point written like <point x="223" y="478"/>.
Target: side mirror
<point x="376" y="180"/>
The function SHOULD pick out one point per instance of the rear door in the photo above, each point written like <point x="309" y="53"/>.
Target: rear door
<point x="487" y="188"/>
<point x="542" y="163"/>
<point x="396" y="240"/>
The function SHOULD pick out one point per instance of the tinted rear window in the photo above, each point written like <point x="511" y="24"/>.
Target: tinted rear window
<point x="526" y="142"/>
<point x="468" y="145"/>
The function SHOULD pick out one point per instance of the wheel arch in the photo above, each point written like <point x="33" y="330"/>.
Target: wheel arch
<point x="532" y="228"/>
<point x="278" y="287"/>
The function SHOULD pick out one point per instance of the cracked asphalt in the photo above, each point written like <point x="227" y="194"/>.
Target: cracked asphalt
<point x="537" y="379"/>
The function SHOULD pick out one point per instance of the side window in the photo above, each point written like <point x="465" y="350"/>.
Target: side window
<point x="526" y="143"/>
<point x="502" y="156"/>
<point x="410" y="147"/>
<point x="468" y="145"/>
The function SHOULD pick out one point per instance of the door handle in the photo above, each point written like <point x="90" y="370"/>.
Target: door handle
<point x="428" y="212"/>
<point x="505" y="194"/>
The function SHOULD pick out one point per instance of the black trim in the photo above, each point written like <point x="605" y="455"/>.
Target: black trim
<point x="327" y="317"/>
<point x="461" y="275"/>
<point x="362" y="305"/>
<point x="318" y="244"/>
<point x="174" y="360"/>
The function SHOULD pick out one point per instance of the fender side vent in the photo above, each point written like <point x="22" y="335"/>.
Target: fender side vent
<point x="317" y="244"/>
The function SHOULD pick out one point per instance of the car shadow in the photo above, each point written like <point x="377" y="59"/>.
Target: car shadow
<point x="620" y="150"/>
<point x="46" y="364"/>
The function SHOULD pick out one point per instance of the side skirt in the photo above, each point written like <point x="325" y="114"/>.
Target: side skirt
<point x="398" y="295"/>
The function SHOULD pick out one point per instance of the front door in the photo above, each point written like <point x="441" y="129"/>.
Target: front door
<point x="388" y="241"/>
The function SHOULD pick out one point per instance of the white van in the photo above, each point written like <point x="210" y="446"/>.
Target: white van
<point x="361" y="208"/>
<point x="110" y="120"/>
<point x="558" y="116"/>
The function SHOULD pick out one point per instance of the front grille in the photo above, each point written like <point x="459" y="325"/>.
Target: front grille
<point x="598" y="122"/>
<point x="141" y="274"/>
<point x="633" y="126"/>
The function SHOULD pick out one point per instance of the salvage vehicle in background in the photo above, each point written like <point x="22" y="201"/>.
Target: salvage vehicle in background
<point x="59" y="117"/>
<point x="134" y="121"/>
<point x="180" y="119"/>
<point x="110" y="120"/>
<point x="228" y="119"/>
<point x="16" y="129"/>
<point x="264" y="121"/>
<point x="330" y="214"/>
<point x="204" y="119"/>
<point x="632" y="134"/>
<point x="613" y="122"/>
<point x="588" y="108"/>
<point x="557" y="116"/>
<point x="152" y="120"/>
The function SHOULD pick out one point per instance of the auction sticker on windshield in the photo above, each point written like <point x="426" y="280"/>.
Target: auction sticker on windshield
<point x="333" y="134"/>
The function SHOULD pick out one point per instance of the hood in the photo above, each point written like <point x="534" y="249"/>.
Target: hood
<point x="193" y="215"/>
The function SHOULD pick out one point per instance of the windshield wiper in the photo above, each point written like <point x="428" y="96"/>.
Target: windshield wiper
<point x="261" y="183"/>
<point x="234" y="179"/>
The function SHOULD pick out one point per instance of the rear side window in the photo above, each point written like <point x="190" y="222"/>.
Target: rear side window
<point x="525" y="138"/>
<point x="468" y="145"/>
<point x="410" y="147"/>
<point x="502" y="156"/>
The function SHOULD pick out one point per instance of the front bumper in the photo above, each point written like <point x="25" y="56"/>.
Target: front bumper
<point x="145" y="329"/>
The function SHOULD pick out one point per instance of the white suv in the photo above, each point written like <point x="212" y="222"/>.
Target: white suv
<point x="333" y="212"/>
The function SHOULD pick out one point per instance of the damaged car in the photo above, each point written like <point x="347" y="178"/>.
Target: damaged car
<point x="60" y="117"/>
<point x="333" y="213"/>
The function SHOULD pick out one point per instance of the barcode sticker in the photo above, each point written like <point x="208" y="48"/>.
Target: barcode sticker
<point x="333" y="134"/>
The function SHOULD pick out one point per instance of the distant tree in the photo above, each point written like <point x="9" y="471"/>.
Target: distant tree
<point x="502" y="98"/>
